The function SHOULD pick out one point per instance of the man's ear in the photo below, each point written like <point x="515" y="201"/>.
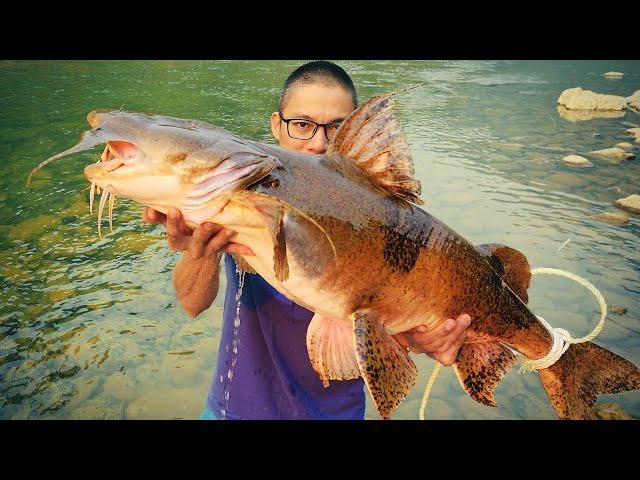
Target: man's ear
<point x="275" y="125"/>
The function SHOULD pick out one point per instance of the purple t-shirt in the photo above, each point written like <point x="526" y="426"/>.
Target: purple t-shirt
<point x="263" y="368"/>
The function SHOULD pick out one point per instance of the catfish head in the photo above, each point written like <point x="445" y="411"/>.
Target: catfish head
<point x="162" y="161"/>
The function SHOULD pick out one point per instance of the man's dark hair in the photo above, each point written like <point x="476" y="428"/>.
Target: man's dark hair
<point x="318" y="71"/>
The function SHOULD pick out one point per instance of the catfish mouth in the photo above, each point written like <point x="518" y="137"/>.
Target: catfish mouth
<point x="116" y="156"/>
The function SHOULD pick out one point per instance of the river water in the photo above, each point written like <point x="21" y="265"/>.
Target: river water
<point x="91" y="328"/>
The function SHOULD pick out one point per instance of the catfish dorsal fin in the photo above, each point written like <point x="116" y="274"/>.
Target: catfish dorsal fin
<point x="511" y="265"/>
<point x="370" y="138"/>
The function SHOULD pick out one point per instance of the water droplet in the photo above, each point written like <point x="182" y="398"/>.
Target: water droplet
<point x="236" y="341"/>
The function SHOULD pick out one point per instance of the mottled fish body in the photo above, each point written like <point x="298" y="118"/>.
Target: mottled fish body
<point x="341" y="234"/>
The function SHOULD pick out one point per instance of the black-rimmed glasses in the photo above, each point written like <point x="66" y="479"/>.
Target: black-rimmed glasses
<point x="303" y="129"/>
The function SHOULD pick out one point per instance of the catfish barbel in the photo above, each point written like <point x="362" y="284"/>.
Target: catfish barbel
<point x="341" y="234"/>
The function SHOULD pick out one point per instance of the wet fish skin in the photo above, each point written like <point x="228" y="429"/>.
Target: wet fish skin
<point x="342" y="235"/>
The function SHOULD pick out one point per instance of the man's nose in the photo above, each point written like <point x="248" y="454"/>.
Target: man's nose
<point x="318" y="143"/>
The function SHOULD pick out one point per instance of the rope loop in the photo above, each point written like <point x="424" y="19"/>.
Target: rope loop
<point x="562" y="339"/>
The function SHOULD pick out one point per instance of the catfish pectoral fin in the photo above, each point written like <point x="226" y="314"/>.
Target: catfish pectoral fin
<point x="273" y="213"/>
<point x="584" y="371"/>
<point x="330" y="348"/>
<point x="480" y="367"/>
<point x="385" y="366"/>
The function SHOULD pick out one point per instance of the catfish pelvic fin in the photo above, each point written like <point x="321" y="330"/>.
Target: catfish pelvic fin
<point x="480" y="367"/>
<point x="386" y="367"/>
<point x="330" y="349"/>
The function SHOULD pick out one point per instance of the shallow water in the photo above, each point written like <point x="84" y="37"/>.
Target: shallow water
<point x="91" y="328"/>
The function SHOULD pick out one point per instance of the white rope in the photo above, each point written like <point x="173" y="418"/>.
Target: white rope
<point x="427" y="390"/>
<point x="561" y="338"/>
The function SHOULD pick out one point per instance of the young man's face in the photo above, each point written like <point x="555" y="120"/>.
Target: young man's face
<point x="316" y="102"/>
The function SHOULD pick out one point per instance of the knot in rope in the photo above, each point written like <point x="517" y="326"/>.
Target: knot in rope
<point x="561" y="342"/>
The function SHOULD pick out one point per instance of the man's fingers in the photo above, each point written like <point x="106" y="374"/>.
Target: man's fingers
<point x="178" y="225"/>
<point x="450" y="342"/>
<point x="218" y="242"/>
<point x="401" y="338"/>
<point x="149" y="215"/>
<point x="433" y="339"/>
<point x="462" y="322"/>
<point x="200" y="237"/>
<point x="448" y="357"/>
<point x="447" y="332"/>
<point x="177" y="239"/>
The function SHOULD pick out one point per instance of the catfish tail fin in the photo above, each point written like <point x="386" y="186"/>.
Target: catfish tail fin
<point x="583" y="372"/>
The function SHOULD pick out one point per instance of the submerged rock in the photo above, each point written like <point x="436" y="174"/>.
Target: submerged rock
<point x="576" y="161"/>
<point x="525" y="406"/>
<point x="579" y="99"/>
<point x="99" y="409"/>
<point x="635" y="132"/>
<point x="34" y="228"/>
<point x="611" y="411"/>
<point x="617" y="309"/>
<point x="614" y="74"/>
<point x="565" y="180"/>
<point x="583" y="115"/>
<point x="614" y="154"/>
<point x="615" y="217"/>
<point x="630" y="203"/>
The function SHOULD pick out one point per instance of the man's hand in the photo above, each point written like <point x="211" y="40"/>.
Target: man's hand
<point x="441" y="343"/>
<point x="205" y="241"/>
<point x="195" y="277"/>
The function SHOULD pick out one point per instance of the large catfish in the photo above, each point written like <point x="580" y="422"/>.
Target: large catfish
<point x="341" y="234"/>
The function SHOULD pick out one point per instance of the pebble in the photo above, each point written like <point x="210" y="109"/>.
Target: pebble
<point x="577" y="161"/>
<point x="615" y="217"/>
<point x="630" y="203"/>
<point x="614" y="154"/>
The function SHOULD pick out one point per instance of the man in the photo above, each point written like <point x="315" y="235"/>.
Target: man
<point x="263" y="369"/>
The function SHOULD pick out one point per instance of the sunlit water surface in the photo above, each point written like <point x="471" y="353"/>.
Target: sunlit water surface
<point x="91" y="328"/>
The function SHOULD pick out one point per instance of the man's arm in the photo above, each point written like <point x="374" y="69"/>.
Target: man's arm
<point x="196" y="282"/>
<point x="196" y="275"/>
